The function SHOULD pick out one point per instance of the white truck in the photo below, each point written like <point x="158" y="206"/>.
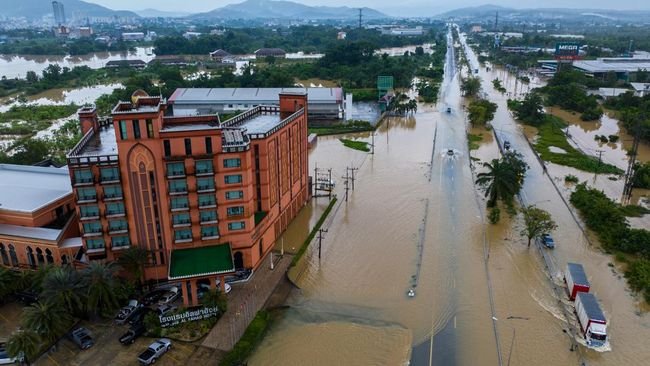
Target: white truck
<point x="593" y="323"/>
<point x="154" y="351"/>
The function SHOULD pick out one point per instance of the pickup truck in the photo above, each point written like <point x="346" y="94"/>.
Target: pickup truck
<point x="154" y="351"/>
<point x="132" y="334"/>
<point x="82" y="338"/>
<point x="125" y="313"/>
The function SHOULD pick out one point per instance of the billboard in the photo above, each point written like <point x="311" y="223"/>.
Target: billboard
<point x="567" y="50"/>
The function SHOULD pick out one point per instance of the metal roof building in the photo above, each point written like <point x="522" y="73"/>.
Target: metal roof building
<point x="323" y="103"/>
<point x="622" y="66"/>
<point x="29" y="188"/>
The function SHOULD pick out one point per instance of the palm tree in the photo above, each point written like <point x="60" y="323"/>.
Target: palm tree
<point x="47" y="319"/>
<point x="7" y="281"/>
<point x="38" y="277"/>
<point x="216" y="298"/>
<point x="500" y="181"/>
<point x="133" y="261"/>
<point x="63" y="286"/>
<point x="99" y="282"/>
<point x="25" y="280"/>
<point x="23" y="343"/>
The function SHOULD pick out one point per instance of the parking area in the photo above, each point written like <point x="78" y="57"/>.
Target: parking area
<point x="107" y="350"/>
<point x="9" y="318"/>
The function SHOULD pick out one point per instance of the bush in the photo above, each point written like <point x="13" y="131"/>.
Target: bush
<point x="613" y="138"/>
<point x="570" y="178"/>
<point x="481" y="111"/>
<point x="494" y="216"/>
<point x="252" y="336"/>
<point x="638" y="276"/>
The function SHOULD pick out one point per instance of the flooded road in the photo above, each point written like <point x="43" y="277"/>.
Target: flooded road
<point x="535" y="333"/>
<point x="412" y="221"/>
<point x="78" y="96"/>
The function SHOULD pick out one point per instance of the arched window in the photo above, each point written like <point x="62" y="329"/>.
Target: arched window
<point x="40" y="257"/>
<point x="12" y="254"/>
<point x="64" y="259"/>
<point x="3" y="254"/>
<point x="30" y="257"/>
<point x="48" y="256"/>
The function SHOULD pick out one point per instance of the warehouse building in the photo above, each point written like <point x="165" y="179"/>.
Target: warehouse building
<point x="324" y="103"/>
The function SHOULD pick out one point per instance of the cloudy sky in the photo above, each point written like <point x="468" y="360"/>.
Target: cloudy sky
<point x="404" y="7"/>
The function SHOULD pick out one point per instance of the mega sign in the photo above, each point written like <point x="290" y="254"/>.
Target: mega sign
<point x="567" y="50"/>
<point x="188" y="316"/>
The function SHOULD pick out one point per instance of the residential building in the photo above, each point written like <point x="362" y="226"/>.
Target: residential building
<point x="275" y="52"/>
<point x="220" y="55"/>
<point x="38" y="223"/>
<point x="641" y="89"/>
<point x="59" y="12"/>
<point x="190" y="35"/>
<point x="133" y="36"/>
<point x="202" y="196"/>
<point x="324" y="103"/>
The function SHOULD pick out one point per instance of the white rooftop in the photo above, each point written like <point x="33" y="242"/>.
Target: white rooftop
<point x="30" y="232"/>
<point x="255" y="95"/>
<point x="616" y="64"/>
<point x="641" y="86"/>
<point x="27" y="188"/>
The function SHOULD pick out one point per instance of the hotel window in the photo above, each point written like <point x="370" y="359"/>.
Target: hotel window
<point x="109" y="174"/>
<point x="208" y="145"/>
<point x="117" y="225"/>
<point x="114" y="208"/>
<point x="188" y="147"/>
<point x="234" y="195"/>
<point x="205" y="184"/>
<point x="89" y="211"/>
<point x="123" y="134"/>
<point x="204" y="167"/>
<point x="83" y="176"/>
<point x="96" y="243"/>
<point x="120" y="241"/>
<point x="181" y="219"/>
<point x="179" y="202"/>
<point x="168" y="148"/>
<point x="149" y="128"/>
<point x="92" y="227"/>
<point x="209" y="231"/>
<point x="235" y="211"/>
<point x="136" y="128"/>
<point x="232" y="179"/>
<point x="177" y="186"/>
<point x="183" y="234"/>
<point x="240" y="225"/>
<point x="87" y="194"/>
<point x="207" y="200"/>
<point x="112" y="192"/>
<point x="208" y="216"/>
<point x="232" y="163"/>
<point x="175" y="169"/>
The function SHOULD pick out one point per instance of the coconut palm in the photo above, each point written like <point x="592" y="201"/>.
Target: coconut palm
<point x="23" y="343"/>
<point x="25" y="280"/>
<point x="63" y="286"/>
<point x="47" y="319"/>
<point x="503" y="179"/>
<point x="99" y="281"/>
<point x="133" y="261"/>
<point x="38" y="277"/>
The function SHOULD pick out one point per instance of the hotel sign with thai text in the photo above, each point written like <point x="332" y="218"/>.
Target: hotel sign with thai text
<point x="567" y="50"/>
<point x="188" y="316"/>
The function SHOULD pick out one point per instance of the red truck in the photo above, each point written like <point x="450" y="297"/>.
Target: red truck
<point x="576" y="280"/>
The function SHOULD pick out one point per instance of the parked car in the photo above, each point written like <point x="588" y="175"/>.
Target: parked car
<point x="139" y="314"/>
<point x="155" y="351"/>
<point x="450" y="152"/>
<point x="82" y="338"/>
<point x="170" y="296"/>
<point x="4" y="357"/>
<point x="165" y="309"/>
<point x="506" y="145"/>
<point x="153" y="296"/>
<point x="204" y="288"/>
<point x="548" y="241"/>
<point x="132" y="334"/>
<point x="448" y="110"/>
<point x="125" y="313"/>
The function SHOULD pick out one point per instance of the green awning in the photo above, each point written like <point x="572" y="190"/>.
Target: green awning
<point x="203" y="261"/>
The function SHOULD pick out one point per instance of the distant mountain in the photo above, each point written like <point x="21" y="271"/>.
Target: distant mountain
<point x="484" y="12"/>
<point x="271" y="9"/>
<point x="36" y="9"/>
<point x="154" y="13"/>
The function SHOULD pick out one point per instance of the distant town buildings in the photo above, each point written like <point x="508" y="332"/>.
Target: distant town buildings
<point x="132" y="36"/>
<point x="641" y="89"/>
<point x="136" y="64"/>
<point x="341" y="35"/>
<point x="404" y="32"/>
<point x="59" y="13"/>
<point x="221" y="56"/>
<point x="275" y="52"/>
<point x="476" y="29"/>
<point x="191" y="35"/>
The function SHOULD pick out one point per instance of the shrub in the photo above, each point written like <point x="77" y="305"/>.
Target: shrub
<point x="570" y="178"/>
<point x="494" y="216"/>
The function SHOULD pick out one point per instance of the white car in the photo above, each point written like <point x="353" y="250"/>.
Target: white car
<point x="4" y="357"/>
<point x="204" y="288"/>
<point x="170" y="296"/>
<point x="154" y="351"/>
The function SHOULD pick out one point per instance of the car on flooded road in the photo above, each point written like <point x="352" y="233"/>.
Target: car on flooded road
<point x="548" y="241"/>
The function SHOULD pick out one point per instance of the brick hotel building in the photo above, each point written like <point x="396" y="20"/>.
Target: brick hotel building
<point x="204" y="197"/>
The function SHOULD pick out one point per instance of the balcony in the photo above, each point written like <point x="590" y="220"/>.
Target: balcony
<point x="210" y="237"/>
<point x="209" y="221"/>
<point x="175" y="174"/>
<point x="183" y="239"/>
<point x="182" y="223"/>
<point x="78" y="182"/>
<point x="204" y="189"/>
<point x="87" y="199"/>
<point x="204" y="172"/>
<point x="177" y="191"/>
<point x="112" y="213"/>
<point x="113" y="197"/>
<point x="97" y="250"/>
<point x="91" y="234"/>
<point x="118" y="230"/>
<point x="180" y="207"/>
<point x="95" y="216"/>
<point x="110" y="179"/>
<point x="205" y="205"/>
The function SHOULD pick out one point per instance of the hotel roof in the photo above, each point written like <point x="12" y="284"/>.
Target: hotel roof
<point x="29" y="188"/>
<point x="256" y="95"/>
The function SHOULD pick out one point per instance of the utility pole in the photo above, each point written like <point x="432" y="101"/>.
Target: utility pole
<point x="360" y="17"/>
<point x="320" y="240"/>
<point x="600" y="159"/>
<point x="629" y="173"/>
<point x="346" y="182"/>
<point x="372" y="145"/>
<point x="352" y="170"/>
